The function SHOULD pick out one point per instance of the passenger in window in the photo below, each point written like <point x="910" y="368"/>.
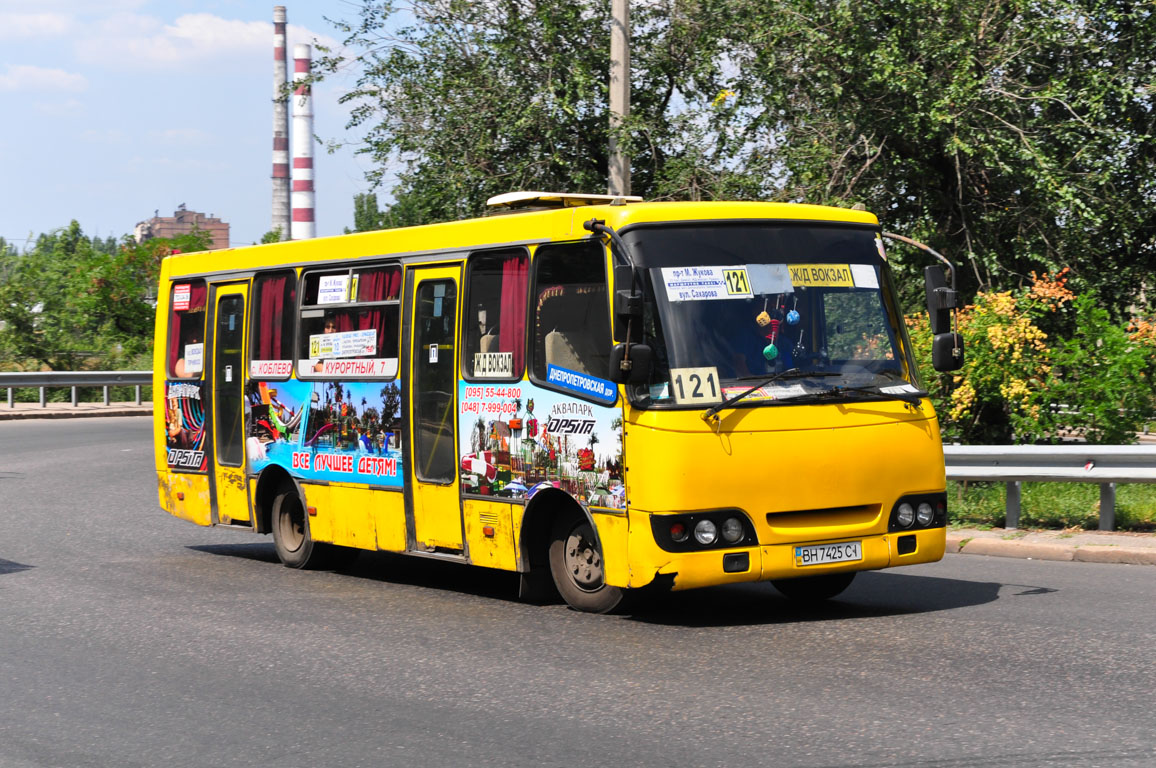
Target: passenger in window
<point x="182" y="369"/>
<point x="328" y="326"/>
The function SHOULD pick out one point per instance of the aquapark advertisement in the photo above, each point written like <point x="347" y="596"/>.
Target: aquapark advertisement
<point x="514" y="439"/>
<point x="337" y="431"/>
<point x="517" y="439"/>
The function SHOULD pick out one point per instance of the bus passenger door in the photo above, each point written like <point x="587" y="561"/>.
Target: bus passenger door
<point x="432" y="471"/>
<point x="227" y="380"/>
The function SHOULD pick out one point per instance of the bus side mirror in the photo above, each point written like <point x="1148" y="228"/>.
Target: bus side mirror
<point x="940" y="300"/>
<point x="627" y="303"/>
<point x="632" y="370"/>
<point x="947" y="352"/>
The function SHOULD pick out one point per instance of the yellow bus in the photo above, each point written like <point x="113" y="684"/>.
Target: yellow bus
<point x="598" y="393"/>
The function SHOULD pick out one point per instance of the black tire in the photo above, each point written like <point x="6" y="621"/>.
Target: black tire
<point x="295" y="547"/>
<point x="576" y="565"/>
<point x="814" y="589"/>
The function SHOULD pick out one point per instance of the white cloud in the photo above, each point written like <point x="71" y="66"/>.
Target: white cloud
<point x="24" y="77"/>
<point x="136" y="40"/>
<point x="21" y="26"/>
<point x="183" y="136"/>
<point x="66" y="108"/>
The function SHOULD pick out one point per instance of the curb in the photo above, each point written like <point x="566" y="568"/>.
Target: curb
<point x="1028" y="550"/>
<point x="70" y="414"/>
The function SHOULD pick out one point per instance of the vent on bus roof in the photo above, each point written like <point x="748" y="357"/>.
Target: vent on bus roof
<point x="537" y="201"/>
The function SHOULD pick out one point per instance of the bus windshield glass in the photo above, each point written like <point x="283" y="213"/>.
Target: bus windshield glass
<point x="735" y="304"/>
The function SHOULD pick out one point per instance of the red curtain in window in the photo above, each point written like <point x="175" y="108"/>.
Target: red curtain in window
<point x="377" y="285"/>
<point x="271" y="316"/>
<point x="512" y="328"/>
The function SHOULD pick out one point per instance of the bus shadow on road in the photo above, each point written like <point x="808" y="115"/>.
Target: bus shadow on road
<point x="872" y="594"/>
<point x="391" y="568"/>
<point x="9" y="566"/>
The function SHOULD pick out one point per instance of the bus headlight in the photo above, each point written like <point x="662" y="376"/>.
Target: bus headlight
<point x="905" y="515"/>
<point x="705" y="532"/>
<point x="732" y="530"/>
<point x="924" y="514"/>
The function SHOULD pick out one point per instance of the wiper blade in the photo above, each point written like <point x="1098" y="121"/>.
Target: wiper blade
<point x="710" y="416"/>
<point x="914" y="397"/>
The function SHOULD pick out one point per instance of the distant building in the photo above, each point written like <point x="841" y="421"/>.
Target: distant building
<point x="182" y="222"/>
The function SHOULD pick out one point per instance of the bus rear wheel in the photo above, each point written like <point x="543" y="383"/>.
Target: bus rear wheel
<point x="576" y="565"/>
<point x="295" y="547"/>
<point x="814" y="589"/>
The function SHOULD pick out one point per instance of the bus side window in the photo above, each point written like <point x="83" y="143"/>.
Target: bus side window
<point x="495" y="321"/>
<point x="274" y="305"/>
<point x="187" y="329"/>
<point x="571" y="314"/>
<point x="362" y="307"/>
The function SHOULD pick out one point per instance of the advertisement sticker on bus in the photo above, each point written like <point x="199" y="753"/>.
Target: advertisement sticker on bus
<point x="318" y="431"/>
<point x="184" y="427"/>
<point x="517" y="439"/>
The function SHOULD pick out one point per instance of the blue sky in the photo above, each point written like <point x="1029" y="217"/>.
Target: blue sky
<point x="115" y="109"/>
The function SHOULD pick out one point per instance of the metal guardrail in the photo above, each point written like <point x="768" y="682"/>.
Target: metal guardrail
<point x="1105" y="465"/>
<point x="45" y="380"/>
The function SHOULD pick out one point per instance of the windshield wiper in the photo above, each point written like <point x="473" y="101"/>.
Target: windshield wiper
<point x="911" y="398"/>
<point x="710" y="416"/>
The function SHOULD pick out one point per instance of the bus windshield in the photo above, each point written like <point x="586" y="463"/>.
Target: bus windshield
<point x="749" y="301"/>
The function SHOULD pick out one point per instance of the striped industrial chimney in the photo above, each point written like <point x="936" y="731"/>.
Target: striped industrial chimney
<point x="280" y="126"/>
<point x="304" y="226"/>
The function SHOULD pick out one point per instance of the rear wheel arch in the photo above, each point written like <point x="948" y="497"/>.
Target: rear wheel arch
<point x="272" y="481"/>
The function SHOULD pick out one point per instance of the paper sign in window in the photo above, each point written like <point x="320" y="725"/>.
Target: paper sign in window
<point x="194" y="357"/>
<point x="347" y="344"/>
<point x="493" y="365"/>
<point x="333" y="289"/>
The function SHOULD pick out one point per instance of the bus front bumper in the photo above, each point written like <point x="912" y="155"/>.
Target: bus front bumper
<point x="776" y="561"/>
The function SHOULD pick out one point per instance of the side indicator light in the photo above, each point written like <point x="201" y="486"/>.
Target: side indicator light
<point x="312" y="511"/>
<point x="488" y="531"/>
<point x="180" y="495"/>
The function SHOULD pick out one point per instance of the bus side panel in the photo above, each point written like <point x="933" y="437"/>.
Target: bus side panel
<point x="185" y="496"/>
<point x="320" y="523"/>
<point x="351" y="512"/>
<point x="389" y="520"/>
<point x="494" y="549"/>
<point x="613" y="534"/>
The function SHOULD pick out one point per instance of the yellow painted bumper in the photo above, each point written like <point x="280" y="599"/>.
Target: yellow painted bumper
<point x="777" y="561"/>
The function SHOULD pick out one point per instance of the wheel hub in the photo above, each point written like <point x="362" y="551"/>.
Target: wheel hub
<point x="583" y="562"/>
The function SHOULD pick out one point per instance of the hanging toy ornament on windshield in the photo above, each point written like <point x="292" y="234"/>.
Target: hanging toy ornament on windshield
<point x="770" y="352"/>
<point x="793" y="315"/>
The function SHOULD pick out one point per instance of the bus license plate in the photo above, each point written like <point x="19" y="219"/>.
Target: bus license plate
<point x="822" y="554"/>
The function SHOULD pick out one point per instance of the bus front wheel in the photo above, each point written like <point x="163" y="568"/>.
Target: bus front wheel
<point x="576" y="565"/>
<point x="813" y="589"/>
<point x="295" y="547"/>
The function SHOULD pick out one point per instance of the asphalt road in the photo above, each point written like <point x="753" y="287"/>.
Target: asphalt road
<point x="131" y="638"/>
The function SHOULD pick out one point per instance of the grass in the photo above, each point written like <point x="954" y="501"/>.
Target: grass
<point x="1051" y="505"/>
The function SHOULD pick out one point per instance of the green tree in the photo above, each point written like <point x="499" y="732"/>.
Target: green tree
<point x="71" y="302"/>
<point x="1012" y="135"/>
<point x="477" y="99"/>
<point x="367" y="217"/>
